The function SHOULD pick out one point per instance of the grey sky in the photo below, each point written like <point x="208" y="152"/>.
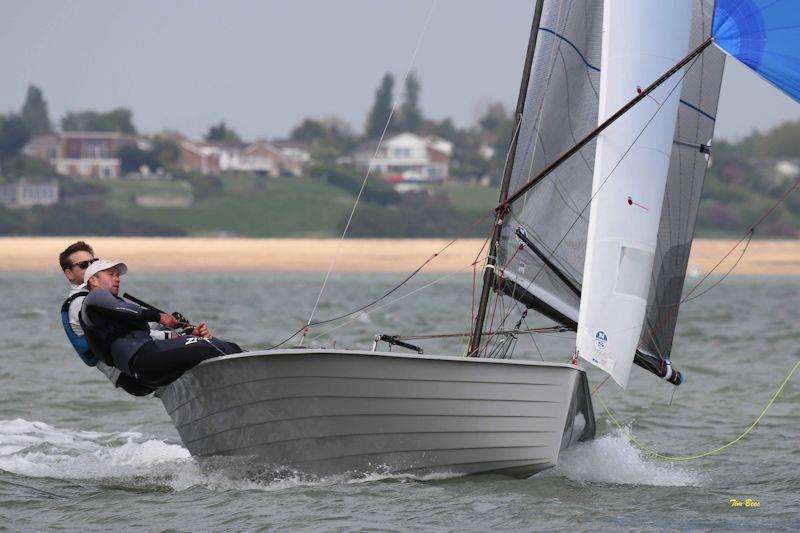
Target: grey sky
<point x="262" y="66"/>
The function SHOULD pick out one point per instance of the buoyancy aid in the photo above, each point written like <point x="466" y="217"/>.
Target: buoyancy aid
<point x="115" y="329"/>
<point x="81" y="345"/>
<point x="78" y="342"/>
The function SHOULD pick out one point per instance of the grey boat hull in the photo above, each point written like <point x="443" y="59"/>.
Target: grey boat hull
<point x="327" y="412"/>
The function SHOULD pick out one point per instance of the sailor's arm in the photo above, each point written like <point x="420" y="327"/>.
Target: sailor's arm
<point x="103" y="302"/>
<point x="159" y="331"/>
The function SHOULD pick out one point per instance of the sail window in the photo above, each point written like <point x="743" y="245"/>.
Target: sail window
<point x="633" y="275"/>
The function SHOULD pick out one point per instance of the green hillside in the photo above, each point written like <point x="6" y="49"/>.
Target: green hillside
<point x="250" y="206"/>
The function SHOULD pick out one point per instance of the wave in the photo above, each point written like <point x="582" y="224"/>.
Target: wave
<point x="613" y="459"/>
<point x="37" y="449"/>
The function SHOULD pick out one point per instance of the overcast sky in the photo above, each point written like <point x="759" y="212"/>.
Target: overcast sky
<point x="264" y="65"/>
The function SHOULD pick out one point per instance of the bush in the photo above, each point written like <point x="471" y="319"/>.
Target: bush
<point x="376" y="190"/>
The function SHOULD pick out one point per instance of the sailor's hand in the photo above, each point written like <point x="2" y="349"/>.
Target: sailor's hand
<point x="168" y="320"/>
<point x="180" y="318"/>
<point x="202" y="331"/>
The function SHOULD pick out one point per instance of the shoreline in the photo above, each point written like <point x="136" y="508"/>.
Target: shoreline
<point x="200" y="254"/>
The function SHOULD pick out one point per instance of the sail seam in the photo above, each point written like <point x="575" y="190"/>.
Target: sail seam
<point x="580" y="54"/>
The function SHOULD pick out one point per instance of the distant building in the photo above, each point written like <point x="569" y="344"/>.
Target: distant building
<point x="408" y="157"/>
<point x="297" y="153"/>
<point x="81" y="154"/>
<point x="25" y="193"/>
<point x="259" y="157"/>
<point x="197" y="157"/>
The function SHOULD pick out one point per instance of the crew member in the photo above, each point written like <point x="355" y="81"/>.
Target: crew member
<point x="118" y="331"/>
<point x="74" y="261"/>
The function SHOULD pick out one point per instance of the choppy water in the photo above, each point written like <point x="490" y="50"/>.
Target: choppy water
<point x="74" y="453"/>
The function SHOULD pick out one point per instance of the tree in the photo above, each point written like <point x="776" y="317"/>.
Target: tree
<point x="13" y="136"/>
<point x="165" y="152"/>
<point x="221" y="133"/>
<point x="410" y="111"/>
<point x="310" y="131"/>
<point x="495" y="119"/>
<point x="382" y="108"/>
<point x="132" y="158"/>
<point x="34" y="112"/>
<point x="119" y="119"/>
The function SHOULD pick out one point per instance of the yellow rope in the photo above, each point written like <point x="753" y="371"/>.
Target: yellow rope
<point x="654" y="453"/>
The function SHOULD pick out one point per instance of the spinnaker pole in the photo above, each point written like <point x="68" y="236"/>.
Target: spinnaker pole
<point x="491" y="261"/>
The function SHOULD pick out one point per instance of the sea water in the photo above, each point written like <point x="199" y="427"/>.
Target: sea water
<point x="77" y="454"/>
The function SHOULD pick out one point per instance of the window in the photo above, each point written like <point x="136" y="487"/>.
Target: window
<point x="92" y="149"/>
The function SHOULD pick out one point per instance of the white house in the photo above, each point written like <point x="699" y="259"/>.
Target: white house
<point x="86" y="154"/>
<point x="407" y="157"/>
<point x="260" y="157"/>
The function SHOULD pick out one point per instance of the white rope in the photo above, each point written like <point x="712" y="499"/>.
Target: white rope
<point x="369" y="169"/>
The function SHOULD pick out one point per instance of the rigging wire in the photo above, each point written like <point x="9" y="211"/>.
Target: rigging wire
<point x="687" y="298"/>
<point x="551" y="252"/>
<point x="369" y="169"/>
<point x="668" y="316"/>
<point x="610" y="174"/>
<point x="389" y="292"/>
<point x="387" y="304"/>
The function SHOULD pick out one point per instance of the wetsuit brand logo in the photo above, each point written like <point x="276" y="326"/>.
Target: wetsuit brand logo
<point x="191" y="340"/>
<point x="601" y="340"/>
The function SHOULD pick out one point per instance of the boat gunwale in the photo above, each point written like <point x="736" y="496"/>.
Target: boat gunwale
<point x="397" y="355"/>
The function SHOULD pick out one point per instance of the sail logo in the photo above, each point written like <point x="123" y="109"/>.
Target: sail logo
<point x="601" y="340"/>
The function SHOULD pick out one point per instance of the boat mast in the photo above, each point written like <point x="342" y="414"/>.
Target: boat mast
<point x="491" y="261"/>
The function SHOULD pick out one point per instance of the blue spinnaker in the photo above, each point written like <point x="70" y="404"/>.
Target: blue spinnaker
<point x="765" y="36"/>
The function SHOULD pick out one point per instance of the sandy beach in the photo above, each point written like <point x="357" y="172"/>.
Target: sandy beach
<point x="39" y="254"/>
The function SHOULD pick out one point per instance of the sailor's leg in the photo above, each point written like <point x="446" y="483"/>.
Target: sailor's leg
<point x="158" y="363"/>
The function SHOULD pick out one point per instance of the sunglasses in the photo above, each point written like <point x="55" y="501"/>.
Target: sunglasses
<point x="84" y="264"/>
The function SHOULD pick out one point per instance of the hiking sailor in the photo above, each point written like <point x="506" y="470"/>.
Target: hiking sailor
<point x="74" y="261"/>
<point x="118" y="331"/>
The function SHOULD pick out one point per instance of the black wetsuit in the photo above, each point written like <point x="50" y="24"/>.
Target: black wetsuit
<point x="118" y="331"/>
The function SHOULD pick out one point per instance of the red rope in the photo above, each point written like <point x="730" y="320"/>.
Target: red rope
<point x="498" y="290"/>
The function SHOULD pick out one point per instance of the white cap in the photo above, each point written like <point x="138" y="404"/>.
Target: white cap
<point x="102" y="264"/>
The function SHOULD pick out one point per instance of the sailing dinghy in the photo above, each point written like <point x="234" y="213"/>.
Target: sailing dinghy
<point x="596" y="218"/>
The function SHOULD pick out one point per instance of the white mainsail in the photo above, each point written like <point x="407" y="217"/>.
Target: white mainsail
<point x="641" y="40"/>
